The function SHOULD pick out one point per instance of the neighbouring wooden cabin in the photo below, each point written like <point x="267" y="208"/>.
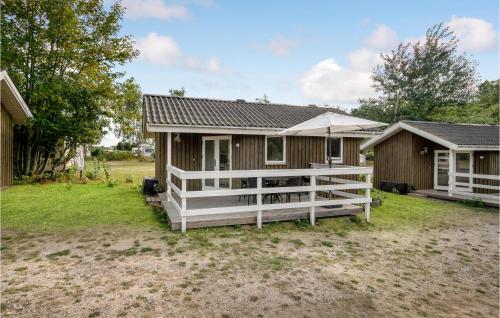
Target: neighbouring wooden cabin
<point x="461" y="160"/>
<point x="13" y="110"/>
<point x="208" y="135"/>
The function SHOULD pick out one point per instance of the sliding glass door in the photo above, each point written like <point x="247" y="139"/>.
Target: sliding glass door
<point x="216" y="157"/>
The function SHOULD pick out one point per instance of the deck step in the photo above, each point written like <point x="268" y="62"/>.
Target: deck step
<point x="251" y="217"/>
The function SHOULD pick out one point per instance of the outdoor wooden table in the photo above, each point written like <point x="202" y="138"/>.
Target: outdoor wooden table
<point x="275" y="182"/>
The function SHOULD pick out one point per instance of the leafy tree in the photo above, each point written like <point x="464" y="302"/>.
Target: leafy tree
<point x="489" y="92"/>
<point x="127" y="111"/>
<point x="263" y="99"/>
<point x="178" y="92"/>
<point x="62" y="56"/>
<point x="417" y="79"/>
<point x="483" y="110"/>
<point x="125" y="145"/>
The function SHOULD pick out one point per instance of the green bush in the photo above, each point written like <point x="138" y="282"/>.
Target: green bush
<point x="94" y="173"/>
<point x="118" y="155"/>
<point x="97" y="152"/>
<point x="474" y="202"/>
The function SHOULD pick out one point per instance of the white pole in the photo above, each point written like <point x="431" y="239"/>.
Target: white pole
<point x="451" y="172"/>
<point x="183" y="207"/>
<point x="368" y="198"/>
<point x="169" y="162"/>
<point x="312" y="197"/>
<point x="259" y="203"/>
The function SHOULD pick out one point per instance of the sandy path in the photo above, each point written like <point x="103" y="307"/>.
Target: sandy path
<point x="448" y="270"/>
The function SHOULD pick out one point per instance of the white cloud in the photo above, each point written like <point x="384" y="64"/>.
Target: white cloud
<point x="163" y="50"/>
<point x="214" y="65"/>
<point x="158" y="9"/>
<point x="204" y="3"/>
<point x="281" y="46"/>
<point x="327" y="81"/>
<point x="383" y="38"/>
<point x="159" y="49"/>
<point x="474" y="34"/>
<point x="364" y="59"/>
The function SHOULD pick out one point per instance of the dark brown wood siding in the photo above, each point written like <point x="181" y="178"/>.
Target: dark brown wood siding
<point x="6" y="148"/>
<point x="351" y="151"/>
<point x="486" y="162"/>
<point x="249" y="154"/>
<point x="160" y="157"/>
<point x="300" y="152"/>
<point x="423" y="163"/>
<point x="401" y="158"/>
<point x="392" y="159"/>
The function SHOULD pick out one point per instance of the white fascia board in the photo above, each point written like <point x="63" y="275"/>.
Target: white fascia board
<point x="152" y="128"/>
<point x="386" y="134"/>
<point x="478" y="148"/>
<point x="4" y="76"/>
<point x="400" y="126"/>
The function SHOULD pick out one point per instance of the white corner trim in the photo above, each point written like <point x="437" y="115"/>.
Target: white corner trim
<point x="400" y="126"/>
<point x="270" y="162"/>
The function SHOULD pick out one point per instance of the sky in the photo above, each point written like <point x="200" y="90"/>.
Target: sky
<point x="295" y="52"/>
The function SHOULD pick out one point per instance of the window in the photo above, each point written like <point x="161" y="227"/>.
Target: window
<point x="275" y="150"/>
<point x="336" y="145"/>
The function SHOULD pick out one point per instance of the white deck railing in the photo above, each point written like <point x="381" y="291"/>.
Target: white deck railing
<point x="460" y="187"/>
<point x="334" y="184"/>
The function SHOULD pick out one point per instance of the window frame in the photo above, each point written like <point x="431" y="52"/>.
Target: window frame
<point x="335" y="159"/>
<point x="275" y="162"/>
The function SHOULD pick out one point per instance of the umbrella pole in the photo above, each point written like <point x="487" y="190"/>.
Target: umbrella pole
<point x="329" y="148"/>
<point x="329" y="145"/>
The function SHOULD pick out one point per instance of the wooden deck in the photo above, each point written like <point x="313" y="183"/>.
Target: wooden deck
<point x="437" y="194"/>
<point x="245" y="217"/>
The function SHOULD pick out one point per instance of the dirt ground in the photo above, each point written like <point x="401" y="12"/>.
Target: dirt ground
<point x="447" y="270"/>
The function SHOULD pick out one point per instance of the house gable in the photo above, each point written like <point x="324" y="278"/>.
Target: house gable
<point x="451" y="136"/>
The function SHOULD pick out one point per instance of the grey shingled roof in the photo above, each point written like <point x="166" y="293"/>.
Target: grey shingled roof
<point x="170" y="110"/>
<point x="461" y="134"/>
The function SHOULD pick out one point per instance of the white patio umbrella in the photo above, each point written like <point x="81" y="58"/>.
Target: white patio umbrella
<point x="329" y="122"/>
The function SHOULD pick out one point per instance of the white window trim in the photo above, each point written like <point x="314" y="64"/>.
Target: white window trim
<point x="335" y="159"/>
<point x="280" y="162"/>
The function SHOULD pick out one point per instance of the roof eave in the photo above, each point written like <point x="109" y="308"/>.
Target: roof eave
<point x="403" y="126"/>
<point x="22" y="113"/>
<point x="152" y="128"/>
<point x="478" y="148"/>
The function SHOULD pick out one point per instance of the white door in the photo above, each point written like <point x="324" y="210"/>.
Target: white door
<point x="441" y="168"/>
<point x="216" y="157"/>
<point x="464" y="164"/>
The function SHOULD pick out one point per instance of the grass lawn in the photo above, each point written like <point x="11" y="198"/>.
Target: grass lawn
<point x="91" y="250"/>
<point x="62" y="207"/>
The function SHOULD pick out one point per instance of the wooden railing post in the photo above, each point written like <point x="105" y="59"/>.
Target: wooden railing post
<point x="183" y="207"/>
<point x="169" y="162"/>
<point x="312" y="196"/>
<point x="451" y="172"/>
<point x="259" y="203"/>
<point x="368" y="198"/>
<point x="169" y="189"/>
